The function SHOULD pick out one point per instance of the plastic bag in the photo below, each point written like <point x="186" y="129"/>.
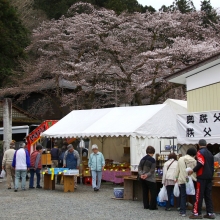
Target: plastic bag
<point x="176" y="190"/>
<point x="162" y="196"/>
<point x="2" y="175"/>
<point x="190" y="189"/>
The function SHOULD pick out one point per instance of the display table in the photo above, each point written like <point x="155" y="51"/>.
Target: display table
<point x="215" y="194"/>
<point x="133" y="188"/>
<point x="68" y="182"/>
<point x="115" y="176"/>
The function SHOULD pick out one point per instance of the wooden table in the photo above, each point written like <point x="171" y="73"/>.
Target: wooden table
<point x="216" y="194"/>
<point x="68" y="182"/>
<point x="133" y="188"/>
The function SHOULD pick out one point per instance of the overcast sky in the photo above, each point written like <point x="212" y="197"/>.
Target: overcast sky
<point x="158" y="3"/>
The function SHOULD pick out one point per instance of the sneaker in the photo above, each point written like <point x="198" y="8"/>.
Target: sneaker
<point x="9" y="187"/>
<point x="182" y="214"/>
<point x="31" y="187"/>
<point x="212" y="216"/>
<point x="195" y="216"/>
<point x="95" y="189"/>
<point x="178" y="209"/>
<point x="167" y="209"/>
<point x="15" y="190"/>
<point x="39" y="187"/>
<point x="23" y="189"/>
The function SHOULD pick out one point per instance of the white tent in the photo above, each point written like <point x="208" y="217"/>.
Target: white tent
<point x="114" y="128"/>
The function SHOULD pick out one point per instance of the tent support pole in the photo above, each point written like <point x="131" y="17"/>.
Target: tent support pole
<point x="80" y="166"/>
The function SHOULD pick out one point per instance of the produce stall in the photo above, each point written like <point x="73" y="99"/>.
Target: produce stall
<point x="122" y="134"/>
<point x="113" y="129"/>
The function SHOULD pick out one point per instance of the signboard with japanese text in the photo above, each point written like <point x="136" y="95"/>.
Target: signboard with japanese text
<point x="34" y="136"/>
<point x="195" y="126"/>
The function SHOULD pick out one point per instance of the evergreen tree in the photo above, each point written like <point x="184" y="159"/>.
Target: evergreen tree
<point x="123" y="5"/>
<point x="13" y="40"/>
<point x="184" y="6"/>
<point x="148" y="8"/>
<point x="57" y="8"/>
<point x="165" y="8"/>
<point x="210" y="14"/>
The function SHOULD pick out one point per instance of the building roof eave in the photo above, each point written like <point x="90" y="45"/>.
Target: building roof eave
<point x="180" y="76"/>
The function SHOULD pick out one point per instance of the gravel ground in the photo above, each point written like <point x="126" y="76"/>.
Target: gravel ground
<point x="83" y="204"/>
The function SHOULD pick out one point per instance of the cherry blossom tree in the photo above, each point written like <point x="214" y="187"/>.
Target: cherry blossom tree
<point x="112" y="59"/>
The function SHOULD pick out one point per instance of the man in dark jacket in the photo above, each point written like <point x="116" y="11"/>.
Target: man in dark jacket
<point x="204" y="170"/>
<point x="55" y="155"/>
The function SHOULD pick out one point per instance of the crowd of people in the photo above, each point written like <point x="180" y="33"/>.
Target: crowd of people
<point x="17" y="163"/>
<point x="198" y="165"/>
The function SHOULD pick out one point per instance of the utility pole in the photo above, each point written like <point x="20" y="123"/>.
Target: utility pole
<point x="7" y="123"/>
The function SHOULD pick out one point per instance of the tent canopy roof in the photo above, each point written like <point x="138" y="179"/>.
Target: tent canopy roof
<point x="144" y="121"/>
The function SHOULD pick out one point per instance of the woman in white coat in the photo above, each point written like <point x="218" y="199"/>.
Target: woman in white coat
<point x="169" y="177"/>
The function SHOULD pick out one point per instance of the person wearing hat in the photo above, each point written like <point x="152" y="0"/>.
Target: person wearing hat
<point x="96" y="165"/>
<point x="21" y="163"/>
<point x="36" y="166"/>
<point x="187" y="161"/>
<point x="55" y="154"/>
<point x="71" y="160"/>
<point x="7" y="164"/>
<point x="205" y="171"/>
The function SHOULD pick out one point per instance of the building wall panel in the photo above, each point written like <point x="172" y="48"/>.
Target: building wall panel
<point x="204" y="99"/>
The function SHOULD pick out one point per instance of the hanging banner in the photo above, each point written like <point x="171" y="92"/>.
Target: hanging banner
<point x="195" y="126"/>
<point x="34" y="136"/>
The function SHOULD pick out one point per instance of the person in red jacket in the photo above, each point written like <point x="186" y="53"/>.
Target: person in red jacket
<point x="36" y="166"/>
<point x="204" y="171"/>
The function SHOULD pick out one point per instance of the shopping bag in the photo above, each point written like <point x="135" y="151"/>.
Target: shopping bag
<point x="162" y="196"/>
<point x="176" y="190"/>
<point x="190" y="189"/>
<point x="2" y="175"/>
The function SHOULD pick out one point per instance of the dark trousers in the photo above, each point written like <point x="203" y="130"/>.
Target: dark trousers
<point x="32" y="172"/>
<point x="183" y="197"/>
<point x="203" y="190"/>
<point x="169" y="194"/>
<point x="152" y="187"/>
